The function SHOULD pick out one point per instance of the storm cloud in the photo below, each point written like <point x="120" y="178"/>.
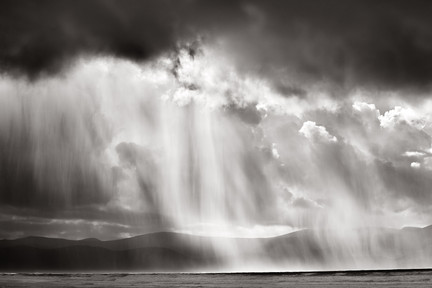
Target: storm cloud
<point x="381" y="44"/>
<point x="140" y="116"/>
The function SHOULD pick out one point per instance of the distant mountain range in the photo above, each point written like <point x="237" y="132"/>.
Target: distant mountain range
<point x="166" y="251"/>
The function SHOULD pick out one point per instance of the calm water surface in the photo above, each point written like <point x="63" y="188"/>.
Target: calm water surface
<point x="400" y="278"/>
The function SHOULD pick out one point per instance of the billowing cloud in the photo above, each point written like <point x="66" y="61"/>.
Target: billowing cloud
<point x="399" y="115"/>
<point x="414" y="154"/>
<point x="415" y="164"/>
<point x="316" y="132"/>
<point x="365" y="107"/>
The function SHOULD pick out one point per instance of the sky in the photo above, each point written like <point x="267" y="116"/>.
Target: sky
<point x="251" y="118"/>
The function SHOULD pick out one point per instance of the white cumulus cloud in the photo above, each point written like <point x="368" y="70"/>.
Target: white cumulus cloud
<point x="414" y="154"/>
<point x="365" y="107"/>
<point x="314" y="132"/>
<point x="415" y="165"/>
<point x="400" y="115"/>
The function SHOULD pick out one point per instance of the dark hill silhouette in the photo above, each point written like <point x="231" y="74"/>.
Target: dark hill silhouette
<point x="162" y="251"/>
<point x="166" y="251"/>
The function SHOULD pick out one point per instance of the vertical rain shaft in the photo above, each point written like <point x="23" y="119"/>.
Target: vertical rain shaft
<point x="106" y="136"/>
<point x="188" y="150"/>
<point x="204" y="183"/>
<point x="205" y="174"/>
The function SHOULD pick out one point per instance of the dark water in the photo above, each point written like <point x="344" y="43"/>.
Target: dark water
<point x="396" y="278"/>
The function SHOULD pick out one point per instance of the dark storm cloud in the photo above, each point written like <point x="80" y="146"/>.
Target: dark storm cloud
<point x="384" y="44"/>
<point x="41" y="36"/>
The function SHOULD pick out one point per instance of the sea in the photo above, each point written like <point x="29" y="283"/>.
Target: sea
<point x="370" y="278"/>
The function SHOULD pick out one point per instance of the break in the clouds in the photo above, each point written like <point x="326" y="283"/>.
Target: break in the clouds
<point x="248" y="117"/>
